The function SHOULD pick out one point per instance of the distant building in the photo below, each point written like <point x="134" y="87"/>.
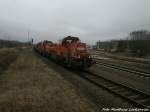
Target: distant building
<point x="98" y="44"/>
<point x="140" y="35"/>
<point x="111" y="46"/>
<point x="138" y="42"/>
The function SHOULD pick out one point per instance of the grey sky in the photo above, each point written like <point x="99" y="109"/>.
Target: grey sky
<point x="90" y="20"/>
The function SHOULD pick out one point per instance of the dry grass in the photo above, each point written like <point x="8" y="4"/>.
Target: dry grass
<point x="31" y="86"/>
<point x="7" y="56"/>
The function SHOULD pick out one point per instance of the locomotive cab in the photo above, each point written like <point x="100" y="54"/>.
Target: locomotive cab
<point x="77" y="52"/>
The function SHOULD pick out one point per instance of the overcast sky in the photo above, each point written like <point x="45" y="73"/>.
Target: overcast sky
<point x="90" y="20"/>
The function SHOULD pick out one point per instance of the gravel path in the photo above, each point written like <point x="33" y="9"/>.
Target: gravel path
<point x="29" y="85"/>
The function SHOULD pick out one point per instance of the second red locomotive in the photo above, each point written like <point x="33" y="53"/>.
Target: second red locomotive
<point x="70" y="52"/>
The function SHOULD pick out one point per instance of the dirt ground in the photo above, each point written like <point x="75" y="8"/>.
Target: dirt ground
<point x="29" y="85"/>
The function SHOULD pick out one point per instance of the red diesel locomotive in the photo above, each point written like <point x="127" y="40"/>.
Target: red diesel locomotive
<point x="70" y="52"/>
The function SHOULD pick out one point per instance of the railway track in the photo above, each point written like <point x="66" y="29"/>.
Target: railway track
<point x="134" y="96"/>
<point x="127" y="59"/>
<point x="124" y="68"/>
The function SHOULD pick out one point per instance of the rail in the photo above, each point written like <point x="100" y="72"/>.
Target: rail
<point x="124" y="68"/>
<point x="132" y="95"/>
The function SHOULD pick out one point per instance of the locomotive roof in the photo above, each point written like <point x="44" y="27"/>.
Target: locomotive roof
<point x="70" y="38"/>
<point x="47" y="41"/>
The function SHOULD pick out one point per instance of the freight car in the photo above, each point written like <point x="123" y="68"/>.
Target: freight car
<point x="70" y="52"/>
